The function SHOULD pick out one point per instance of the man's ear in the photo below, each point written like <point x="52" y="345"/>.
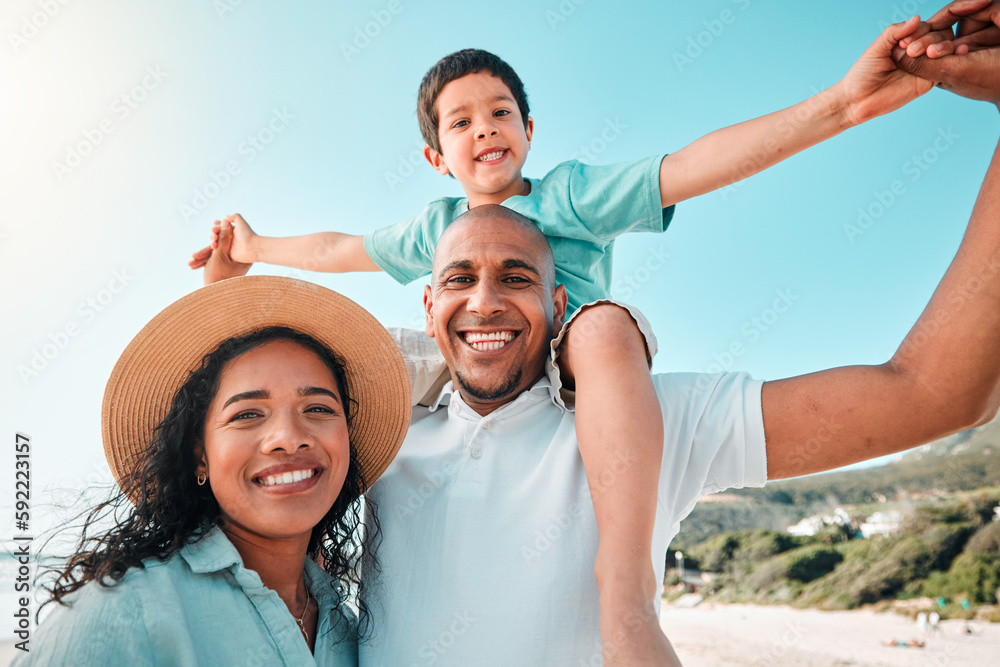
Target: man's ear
<point x="558" y="308"/>
<point x="528" y="129"/>
<point x="428" y="311"/>
<point x="436" y="160"/>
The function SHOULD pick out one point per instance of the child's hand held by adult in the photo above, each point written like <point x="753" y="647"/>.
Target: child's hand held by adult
<point x="968" y="65"/>
<point x="875" y="85"/>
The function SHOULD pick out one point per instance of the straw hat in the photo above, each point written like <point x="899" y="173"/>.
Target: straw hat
<point x="158" y="360"/>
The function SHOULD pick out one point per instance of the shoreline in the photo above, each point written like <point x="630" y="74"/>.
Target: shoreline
<point x="723" y="635"/>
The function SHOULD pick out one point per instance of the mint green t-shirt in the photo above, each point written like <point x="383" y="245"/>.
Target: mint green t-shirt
<point x="199" y="607"/>
<point x="581" y="208"/>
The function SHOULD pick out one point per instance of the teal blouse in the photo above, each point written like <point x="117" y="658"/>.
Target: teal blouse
<point x="200" y="607"/>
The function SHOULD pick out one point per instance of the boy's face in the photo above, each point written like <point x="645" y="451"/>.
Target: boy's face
<point x="484" y="140"/>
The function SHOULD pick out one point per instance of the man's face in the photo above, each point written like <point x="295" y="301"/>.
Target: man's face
<point x="492" y="309"/>
<point x="484" y="141"/>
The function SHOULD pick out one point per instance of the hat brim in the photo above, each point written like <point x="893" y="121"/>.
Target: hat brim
<point x="162" y="355"/>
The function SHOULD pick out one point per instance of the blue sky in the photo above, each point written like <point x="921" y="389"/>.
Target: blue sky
<point x="121" y="119"/>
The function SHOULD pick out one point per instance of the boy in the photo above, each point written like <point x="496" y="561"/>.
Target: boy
<point x="473" y="115"/>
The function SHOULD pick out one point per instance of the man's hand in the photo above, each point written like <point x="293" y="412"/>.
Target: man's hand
<point x="875" y="85"/>
<point x="968" y="65"/>
<point x="220" y="263"/>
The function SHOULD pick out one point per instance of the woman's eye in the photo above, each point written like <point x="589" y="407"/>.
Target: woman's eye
<point x="246" y="414"/>
<point x="322" y="409"/>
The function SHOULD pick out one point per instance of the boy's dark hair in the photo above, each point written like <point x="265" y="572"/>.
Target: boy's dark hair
<point x="455" y="66"/>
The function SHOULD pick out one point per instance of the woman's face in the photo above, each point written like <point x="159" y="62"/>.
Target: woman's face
<point x="276" y="445"/>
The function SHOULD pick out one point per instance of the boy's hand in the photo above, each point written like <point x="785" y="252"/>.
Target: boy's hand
<point x="875" y="85"/>
<point x="220" y="264"/>
<point x="974" y="70"/>
<point x="242" y="243"/>
<point x="244" y="238"/>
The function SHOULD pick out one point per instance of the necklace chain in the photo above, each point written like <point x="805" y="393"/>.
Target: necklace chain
<point x="300" y="620"/>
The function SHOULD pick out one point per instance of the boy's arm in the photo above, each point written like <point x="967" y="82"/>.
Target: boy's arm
<point x="330" y="252"/>
<point x="874" y="86"/>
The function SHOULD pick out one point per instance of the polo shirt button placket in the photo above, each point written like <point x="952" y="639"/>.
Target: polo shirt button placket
<point x="476" y="453"/>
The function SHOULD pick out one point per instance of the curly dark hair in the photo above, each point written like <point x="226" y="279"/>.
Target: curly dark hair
<point x="169" y="510"/>
<point x="455" y="66"/>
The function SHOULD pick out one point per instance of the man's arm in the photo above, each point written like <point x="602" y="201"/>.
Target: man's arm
<point x="945" y="377"/>
<point x="874" y="86"/>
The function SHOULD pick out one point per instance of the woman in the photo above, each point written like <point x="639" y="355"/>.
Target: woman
<point x="242" y="424"/>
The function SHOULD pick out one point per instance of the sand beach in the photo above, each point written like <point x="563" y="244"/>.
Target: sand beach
<point x="723" y="635"/>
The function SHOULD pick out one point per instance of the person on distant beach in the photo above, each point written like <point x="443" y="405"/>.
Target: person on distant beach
<point x="922" y="624"/>
<point x="913" y="643"/>
<point x="933" y="621"/>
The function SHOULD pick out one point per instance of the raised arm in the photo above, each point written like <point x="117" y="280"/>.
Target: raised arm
<point x="873" y="86"/>
<point x="945" y="377"/>
<point x="329" y="252"/>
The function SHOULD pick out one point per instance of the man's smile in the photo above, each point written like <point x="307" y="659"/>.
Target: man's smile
<point x="488" y="341"/>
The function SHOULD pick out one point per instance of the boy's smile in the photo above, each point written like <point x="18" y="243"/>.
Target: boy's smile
<point x="484" y="140"/>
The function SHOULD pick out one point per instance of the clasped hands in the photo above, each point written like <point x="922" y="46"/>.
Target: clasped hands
<point x="957" y="49"/>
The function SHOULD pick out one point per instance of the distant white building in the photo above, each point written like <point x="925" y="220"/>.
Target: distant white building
<point x="996" y="513"/>
<point x="882" y="523"/>
<point x="811" y="525"/>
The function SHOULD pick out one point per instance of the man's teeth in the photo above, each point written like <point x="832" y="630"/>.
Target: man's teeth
<point x="495" y="155"/>
<point x="287" y="477"/>
<point x="486" y="342"/>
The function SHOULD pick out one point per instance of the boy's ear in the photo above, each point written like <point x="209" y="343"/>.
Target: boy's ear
<point x="428" y="311"/>
<point x="528" y="129"/>
<point x="436" y="160"/>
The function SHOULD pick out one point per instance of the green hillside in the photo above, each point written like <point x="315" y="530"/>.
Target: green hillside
<point x="948" y="546"/>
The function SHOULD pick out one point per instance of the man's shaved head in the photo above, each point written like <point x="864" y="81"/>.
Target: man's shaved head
<point x="493" y="214"/>
<point x="493" y="304"/>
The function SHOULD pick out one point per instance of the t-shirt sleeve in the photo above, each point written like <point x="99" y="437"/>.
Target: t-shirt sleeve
<point x="405" y="249"/>
<point x="613" y="199"/>
<point x="713" y="437"/>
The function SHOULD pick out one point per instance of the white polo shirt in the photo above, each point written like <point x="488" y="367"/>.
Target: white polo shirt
<point x="488" y="530"/>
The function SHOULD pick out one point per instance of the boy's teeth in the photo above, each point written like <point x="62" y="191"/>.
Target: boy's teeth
<point x="496" y="155"/>
<point x="287" y="477"/>
<point x="486" y="342"/>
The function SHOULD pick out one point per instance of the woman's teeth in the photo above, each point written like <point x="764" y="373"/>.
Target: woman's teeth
<point x="287" y="477"/>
